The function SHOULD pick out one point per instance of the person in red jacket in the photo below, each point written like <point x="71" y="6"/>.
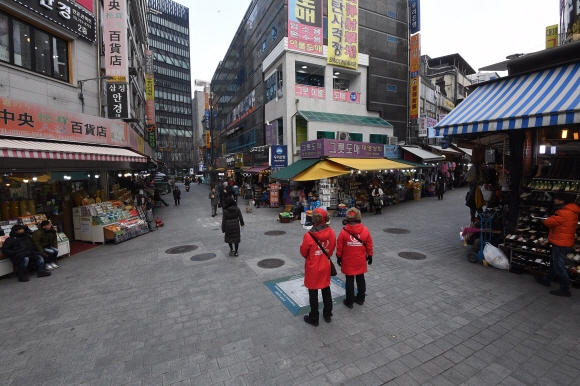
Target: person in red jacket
<point x="354" y="249"/>
<point x="562" y="225"/>
<point x="317" y="265"/>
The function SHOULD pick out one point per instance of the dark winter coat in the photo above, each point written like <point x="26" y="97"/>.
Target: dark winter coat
<point x="176" y="194"/>
<point x="43" y="239"/>
<point x="231" y="221"/>
<point x="214" y="197"/>
<point x="439" y="187"/>
<point x="317" y="265"/>
<point x="18" y="246"/>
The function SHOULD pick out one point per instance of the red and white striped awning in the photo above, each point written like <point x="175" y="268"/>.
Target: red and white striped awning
<point x="13" y="148"/>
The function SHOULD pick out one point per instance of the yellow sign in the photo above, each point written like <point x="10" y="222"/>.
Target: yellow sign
<point x="117" y="79"/>
<point x="414" y="105"/>
<point x="343" y="33"/>
<point x="149" y="87"/>
<point x="415" y="49"/>
<point x="207" y="139"/>
<point x="140" y="145"/>
<point x="552" y="36"/>
<point x="448" y="104"/>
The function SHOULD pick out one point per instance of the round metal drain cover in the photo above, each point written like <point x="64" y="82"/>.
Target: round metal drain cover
<point x="274" y="233"/>
<point x="397" y="231"/>
<point x="203" y="257"/>
<point x="412" y="256"/>
<point x="270" y="263"/>
<point x="181" y="249"/>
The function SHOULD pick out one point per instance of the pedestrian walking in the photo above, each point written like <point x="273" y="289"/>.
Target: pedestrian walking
<point x="562" y="224"/>
<point x="378" y="199"/>
<point x="231" y="221"/>
<point x="317" y="246"/>
<point x="248" y="197"/>
<point x="236" y="192"/>
<point x="176" y="195"/>
<point x="223" y="195"/>
<point x="439" y="188"/>
<point x="354" y="250"/>
<point x="214" y="201"/>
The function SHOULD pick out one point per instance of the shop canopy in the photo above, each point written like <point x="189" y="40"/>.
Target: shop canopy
<point x="322" y="169"/>
<point x="358" y="120"/>
<point x="256" y="169"/>
<point x="294" y="169"/>
<point x="368" y="164"/>
<point x="414" y="164"/>
<point x="425" y="155"/>
<point x="544" y="98"/>
<point x="14" y="148"/>
<point x="448" y="150"/>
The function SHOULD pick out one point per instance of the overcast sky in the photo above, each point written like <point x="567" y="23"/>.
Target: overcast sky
<point x="483" y="32"/>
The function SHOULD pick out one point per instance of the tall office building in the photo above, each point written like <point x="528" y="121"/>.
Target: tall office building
<point x="169" y="41"/>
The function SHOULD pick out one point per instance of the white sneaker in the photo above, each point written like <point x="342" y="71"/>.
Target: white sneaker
<point x="54" y="266"/>
<point x="48" y="267"/>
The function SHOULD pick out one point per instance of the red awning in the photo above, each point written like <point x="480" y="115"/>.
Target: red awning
<point x="256" y="169"/>
<point x="13" y="148"/>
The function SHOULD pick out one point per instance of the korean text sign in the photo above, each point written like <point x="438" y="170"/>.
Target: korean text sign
<point x="305" y="26"/>
<point x="414" y="96"/>
<point x="310" y="91"/>
<point x="117" y="101"/>
<point x="414" y="16"/>
<point x="279" y="157"/>
<point x="25" y="119"/>
<point x="414" y="54"/>
<point x="343" y="33"/>
<point x="346" y="96"/>
<point x="115" y="22"/>
<point x="340" y="149"/>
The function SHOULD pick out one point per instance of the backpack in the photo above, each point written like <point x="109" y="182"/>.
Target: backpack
<point x="248" y="194"/>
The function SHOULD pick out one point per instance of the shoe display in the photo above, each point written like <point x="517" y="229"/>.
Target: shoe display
<point x="559" y="292"/>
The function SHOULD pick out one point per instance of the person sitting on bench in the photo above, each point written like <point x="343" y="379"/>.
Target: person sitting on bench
<point x="157" y="198"/>
<point x="20" y="249"/>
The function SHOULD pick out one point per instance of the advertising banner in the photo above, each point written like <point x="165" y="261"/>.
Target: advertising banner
<point x="414" y="55"/>
<point x="552" y="36"/>
<point x="239" y="160"/>
<point x="272" y="133"/>
<point x="115" y="35"/>
<point x="414" y="98"/>
<point x="343" y="33"/>
<point x="152" y="139"/>
<point x="246" y="107"/>
<point x="343" y="149"/>
<point x="207" y="139"/>
<point x="29" y="120"/>
<point x="148" y="62"/>
<point x="66" y="14"/>
<point x="279" y="157"/>
<point x="393" y="152"/>
<point x="305" y="26"/>
<point x="310" y="91"/>
<point x="117" y="101"/>
<point x="346" y="96"/>
<point x="414" y="16"/>
<point x="150" y="98"/>
<point x="262" y="157"/>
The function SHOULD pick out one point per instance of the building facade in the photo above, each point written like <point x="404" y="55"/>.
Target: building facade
<point x="481" y="77"/>
<point x="169" y="41"/>
<point x="272" y="86"/>
<point x="200" y="105"/>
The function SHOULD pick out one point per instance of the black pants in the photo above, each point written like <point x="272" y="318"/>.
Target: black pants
<point x="440" y="196"/>
<point x="213" y="210"/>
<point x="177" y="201"/>
<point x="163" y="202"/>
<point x="361" y="286"/>
<point x="326" y="299"/>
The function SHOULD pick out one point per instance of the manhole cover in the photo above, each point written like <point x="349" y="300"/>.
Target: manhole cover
<point x="397" y="231"/>
<point x="274" y="233"/>
<point x="203" y="257"/>
<point x="270" y="263"/>
<point x="181" y="249"/>
<point x="412" y="256"/>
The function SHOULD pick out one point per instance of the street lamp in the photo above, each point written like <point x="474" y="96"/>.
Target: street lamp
<point x="80" y="85"/>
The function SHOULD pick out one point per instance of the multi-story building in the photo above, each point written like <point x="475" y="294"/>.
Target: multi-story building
<point x="481" y="77"/>
<point x="169" y="41"/>
<point x="274" y="85"/>
<point x="200" y="104"/>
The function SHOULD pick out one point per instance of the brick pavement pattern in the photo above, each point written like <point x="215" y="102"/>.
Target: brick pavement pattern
<point x="130" y="314"/>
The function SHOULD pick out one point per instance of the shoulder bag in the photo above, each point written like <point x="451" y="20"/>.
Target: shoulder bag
<point x="332" y="267"/>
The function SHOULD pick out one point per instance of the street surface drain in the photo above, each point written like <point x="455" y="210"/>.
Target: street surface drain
<point x="181" y="249"/>
<point x="397" y="231"/>
<point x="203" y="257"/>
<point x="271" y="263"/>
<point x="274" y="233"/>
<point x="412" y="256"/>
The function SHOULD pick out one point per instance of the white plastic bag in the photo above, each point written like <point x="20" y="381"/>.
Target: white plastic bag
<point x="495" y="257"/>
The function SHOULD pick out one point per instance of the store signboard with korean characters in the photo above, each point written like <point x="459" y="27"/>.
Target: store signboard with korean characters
<point x="115" y="35"/>
<point x="279" y="157"/>
<point x="305" y="22"/>
<point x="340" y="149"/>
<point x="117" y="101"/>
<point x="343" y="33"/>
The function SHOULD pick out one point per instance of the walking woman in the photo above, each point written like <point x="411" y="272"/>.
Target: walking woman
<point x="231" y="221"/>
<point x="214" y="200"/>
<point x="176" y="195"/>
<point x="378" y="199"/>
<point x="354" y="249"/>
<point x="317" y="246"/>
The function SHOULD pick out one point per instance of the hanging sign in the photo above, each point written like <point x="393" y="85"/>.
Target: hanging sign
<point x="305" y="26"/>
<point x="207" y="139"/>
<point x="115" y="35"/>
<point x="414" y="16"/>
<point x="414" y="96"/>
<point x="117" y="101"/>
<point x="343" y="33"/>
<point x="279" y="157"/>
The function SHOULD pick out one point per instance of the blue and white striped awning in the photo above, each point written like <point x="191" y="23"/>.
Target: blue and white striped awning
<point x="545" y="98"/>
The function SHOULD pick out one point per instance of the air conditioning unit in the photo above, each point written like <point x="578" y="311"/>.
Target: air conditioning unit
<point x="342" y="135"/>
<point x="393" y="140"/>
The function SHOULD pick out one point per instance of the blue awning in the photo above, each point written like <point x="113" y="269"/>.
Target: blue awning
<point x="545" y="98"/>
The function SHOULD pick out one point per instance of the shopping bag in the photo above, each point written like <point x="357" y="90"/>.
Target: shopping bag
<point x="332" y="269"/>
<point x="490" y="156"/>
<point x="149" y="215"/>
<point x="495" y="257"/>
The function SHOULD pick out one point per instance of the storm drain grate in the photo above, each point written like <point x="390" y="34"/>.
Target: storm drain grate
<point x="274" y="233"/>
<point x="397" y="231"/>
<point x="181" y="249"/>
<point x="270" y="263"/>
<point x="412" y="256"/>
<point x="203" y="257"/>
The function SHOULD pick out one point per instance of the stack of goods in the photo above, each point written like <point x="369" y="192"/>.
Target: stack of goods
<point x="285" y="217"/>
<point x="127" y="229"/>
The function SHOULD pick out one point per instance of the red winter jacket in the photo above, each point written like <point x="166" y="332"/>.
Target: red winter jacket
<point x="352" y="252"/>
<point x="317" y="266"/>
<point x="563" y="225"/>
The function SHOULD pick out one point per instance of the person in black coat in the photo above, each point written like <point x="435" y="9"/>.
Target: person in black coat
<point x="20" y="249"/>
<point x="439" y="188"/>
<point x="157" y="197"/>
<point x="231" y="221"/>
<point x="176" y="195"/>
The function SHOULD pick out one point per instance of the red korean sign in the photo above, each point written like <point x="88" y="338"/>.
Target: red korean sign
<point x="115" y="35"/>
<point x="346" y="96"/>
<point x="310" y="91"/>
<point x="305" y="21"/>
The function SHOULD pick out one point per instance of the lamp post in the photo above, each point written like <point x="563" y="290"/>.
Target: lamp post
<point x="81" y="95"/>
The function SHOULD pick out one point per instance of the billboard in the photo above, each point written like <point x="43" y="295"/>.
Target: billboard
<point x="552" y="36"/>
<point x="414" y="98"/>
<point x="414" y="55"/>
<point x="115" y="35"/>
<point x="343" y="33"/>
<point x="414" y="16"/>
<point x="305" y="26"/>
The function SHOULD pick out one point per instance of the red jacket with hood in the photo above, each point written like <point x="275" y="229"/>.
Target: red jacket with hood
<point x="563" y="225"/>
<point x="352" y="252"/>
<point x="317" y="266"/>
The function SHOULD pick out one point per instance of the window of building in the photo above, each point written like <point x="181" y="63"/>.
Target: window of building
<point x="301" y="131"/>
<point x="271" y="88"/>
<point x="392" y="14"/>
<point x="325" y="135"/>
<point x="356" y="137"/>
<point x="280" y="131"/>
<point x="340" y="84"/>
<point x="392" y="39"/>
<point x="379" y="138"/>
<point x="391" y="88"/>
<point x="310" y="79"/>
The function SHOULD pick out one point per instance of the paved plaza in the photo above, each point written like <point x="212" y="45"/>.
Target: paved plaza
<point x="134" y="314"/>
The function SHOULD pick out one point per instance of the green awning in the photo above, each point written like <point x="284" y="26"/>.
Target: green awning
<point x="294" y="169"/>
<point x="361" y="120"/>
<point x="413" y="164"/>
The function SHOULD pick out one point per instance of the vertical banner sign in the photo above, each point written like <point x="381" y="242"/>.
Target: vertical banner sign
<point x="279" y="157"/>
<point x="305" y="26"/>
<point x="152" y="139"/>
<point x="150" y="98"/>
<point x="115" y="31"/>
<point x="343" y="33"/>
<point x="117" y="101"/>
<point x="414" y="16"/>
<point x="414" y="55"/>
<point x="552" y="36"/>
<point x="414" y="102"/>
<point x="207" y="139"/>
